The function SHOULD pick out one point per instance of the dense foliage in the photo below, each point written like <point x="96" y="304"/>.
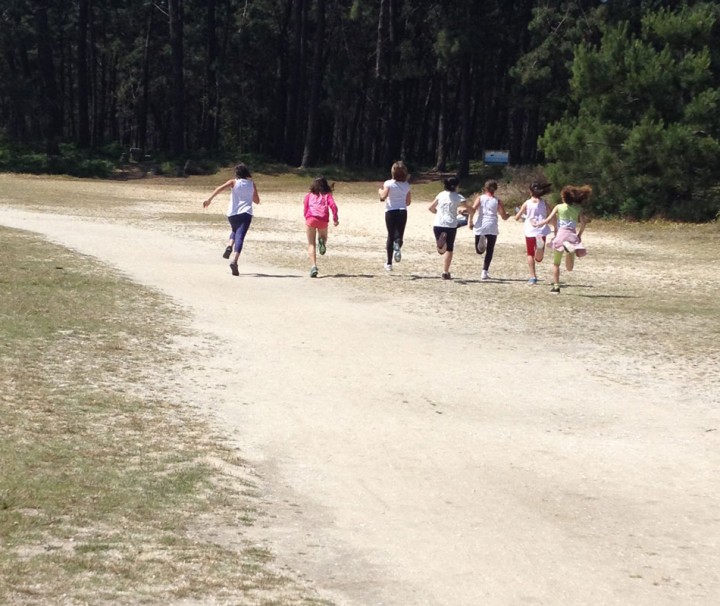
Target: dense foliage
<point x="644" y="127"/>
<point x="359" y="83"/>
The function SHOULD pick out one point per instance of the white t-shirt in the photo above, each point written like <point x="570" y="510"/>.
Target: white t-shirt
<point x="397" y="194"/>
<point x="241" y="197"/>
<point x="447" y="208"/>
<point x="536" y="211"/>
<point x="485" y="221"/>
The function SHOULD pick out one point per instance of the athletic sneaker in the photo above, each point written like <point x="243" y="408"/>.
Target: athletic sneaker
<point x="321" y="246"/>
<point x="539" y="243"/>
<point x="481" y="245"/>
<point x="484" y="275"/>
<point x="532" y="281"/>
<point x="234" y="269"/>
<point x="313" y="272"/>
<point x="446" y="276"/>
<point x="397" y="254"/>
<point x="568" y="247"/>
<point x="442" y="243"/>
<point x="227" y="253"/>
<point x="555" y="290"/>
<point x="388" y="266"/>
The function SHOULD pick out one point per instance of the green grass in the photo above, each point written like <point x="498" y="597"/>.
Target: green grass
<point x="101" y="489"/>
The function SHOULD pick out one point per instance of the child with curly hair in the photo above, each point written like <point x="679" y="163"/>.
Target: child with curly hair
<point x="571" y="221"/>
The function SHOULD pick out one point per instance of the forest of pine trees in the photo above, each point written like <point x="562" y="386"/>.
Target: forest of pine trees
<point x="623" y="94"/>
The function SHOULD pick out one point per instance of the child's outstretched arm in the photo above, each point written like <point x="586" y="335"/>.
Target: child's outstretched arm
<point x="582" y="220"/>
<point x="549" y="218"/>
<point x="502" y="212"/>
<point x="520" y="212"/>
<point x="218" y="189"/>
<point x="472" y="209"/>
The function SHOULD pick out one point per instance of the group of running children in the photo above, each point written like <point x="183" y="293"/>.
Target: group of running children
<point x="567" y="219"/>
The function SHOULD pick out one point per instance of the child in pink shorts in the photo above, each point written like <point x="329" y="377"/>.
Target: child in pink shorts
<point x="317" y="205"/>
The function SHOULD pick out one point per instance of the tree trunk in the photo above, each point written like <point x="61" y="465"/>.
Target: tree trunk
<point x="465" y="122"/>
<point x="441" y="148"/>
<point x="374" y="131"/>
<point x="145" y="87"/>
<point x="207" y="136"/>
<point x="311" y="137"/>
<point x="83" y="91"/>
<point x="177" y="124"/>
<point x="297" y="59"/>
<point x="50" y="98"/>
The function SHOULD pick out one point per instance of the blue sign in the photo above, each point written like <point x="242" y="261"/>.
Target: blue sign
<point x="496" y="156"/>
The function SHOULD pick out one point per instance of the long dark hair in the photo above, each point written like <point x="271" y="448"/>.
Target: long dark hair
<point x="242" y="171"/>
<point x="320" y="186"/>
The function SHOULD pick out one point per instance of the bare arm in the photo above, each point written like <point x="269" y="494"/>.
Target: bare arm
<point x="520" y="212"/>
<point x="218" y="189"/>
<point x="383" y="192"/>
<point x="549" y="218"/>
<point x="583" y="222"/>
<point x="502" y="212"/>
<point x="256" y="196"/>
<point x="408" y="199"/>
<point x="433" y="207"/>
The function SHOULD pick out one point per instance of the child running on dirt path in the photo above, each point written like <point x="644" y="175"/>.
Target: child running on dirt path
<point x="571" y="222"/>
<point x="395" y="193"/>
<point x="445" y="207"/>
<point x="317" y="205"/>
<point x="240" y="212"/>
<point x="535" y="209"/>
<point x="484" y="223"/>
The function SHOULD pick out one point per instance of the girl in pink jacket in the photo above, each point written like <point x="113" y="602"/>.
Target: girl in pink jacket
<point x="317" y="205"/>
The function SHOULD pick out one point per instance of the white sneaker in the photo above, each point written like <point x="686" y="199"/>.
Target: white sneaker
<point x="539" y="243"/>
<point x="569" y="247"/>
<point x="484" y="275"/>
<point x="388" y="267"/>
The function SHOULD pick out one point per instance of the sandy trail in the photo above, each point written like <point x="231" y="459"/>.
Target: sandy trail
<point x="397" y="477"/>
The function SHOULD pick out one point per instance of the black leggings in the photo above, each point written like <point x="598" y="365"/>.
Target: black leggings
<point x="395" y="221"/>
<point x="489" y="250"/>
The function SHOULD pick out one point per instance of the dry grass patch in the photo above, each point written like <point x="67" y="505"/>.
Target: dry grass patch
<point x="104" y="475"/>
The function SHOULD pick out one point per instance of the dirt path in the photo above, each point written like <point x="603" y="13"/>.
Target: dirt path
<point x="401" y="471"/>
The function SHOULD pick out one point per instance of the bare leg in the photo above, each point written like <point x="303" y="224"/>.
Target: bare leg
<point x="531" y="265"/>
<point x="556" y="274"/>
<point x="311" y="236"/>
<point x="447" y="260"/>
<point x="323" y="233"/>
<point x="570" y="261"/>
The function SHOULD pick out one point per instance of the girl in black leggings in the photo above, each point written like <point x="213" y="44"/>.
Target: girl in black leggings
<point x="395" y="193"/>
